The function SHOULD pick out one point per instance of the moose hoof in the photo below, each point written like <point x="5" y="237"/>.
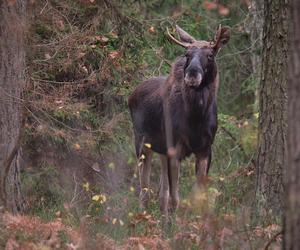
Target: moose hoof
<point x="144" y="198"/>
<point x="173" y="205"/>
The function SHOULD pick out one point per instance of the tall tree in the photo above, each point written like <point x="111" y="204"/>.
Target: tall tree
<point x="272" y="107"/>
<point x="12" y="82"/>
<point x="292" y="177"/>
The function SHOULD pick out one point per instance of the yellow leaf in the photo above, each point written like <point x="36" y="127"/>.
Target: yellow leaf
<point x="131" y="189"/>
<point x="111" y="165"/>
<point x="114" y="221"/>
<point x="96" y="197"/>
<point x="148" y="145"/>
<point x="121" y="222"/>
<point x="102" y="198"/>
<point x="77" y="146"/>
<point x="86" y="186"/>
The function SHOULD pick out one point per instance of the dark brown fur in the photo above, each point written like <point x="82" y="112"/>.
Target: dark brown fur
<point x="177" y="116"/>
<point x="192" y="112"/>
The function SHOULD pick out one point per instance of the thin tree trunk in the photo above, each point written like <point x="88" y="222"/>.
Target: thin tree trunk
<point x="272" y="106"/>
<point x="292" y="177"/>
<point x="255" y="27"/>
<point x="12" y="82"/>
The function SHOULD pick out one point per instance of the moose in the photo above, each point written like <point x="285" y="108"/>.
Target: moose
<point x="176" y="116"/>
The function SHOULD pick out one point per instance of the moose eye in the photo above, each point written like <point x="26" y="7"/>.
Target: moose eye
<point x="210" y="57"/>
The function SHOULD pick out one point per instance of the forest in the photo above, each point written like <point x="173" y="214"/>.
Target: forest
<point x="85" y="114"/>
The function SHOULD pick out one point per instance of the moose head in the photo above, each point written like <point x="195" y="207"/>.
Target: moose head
<point x="200" y="55"/>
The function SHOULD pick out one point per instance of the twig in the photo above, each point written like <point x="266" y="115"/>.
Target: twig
<point x="41" y="12"/>
<point x="76" y="193"/>
<point x="272" y="239"/>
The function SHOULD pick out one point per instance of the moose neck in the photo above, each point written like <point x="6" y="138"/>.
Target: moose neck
<point x="195" y="100"/>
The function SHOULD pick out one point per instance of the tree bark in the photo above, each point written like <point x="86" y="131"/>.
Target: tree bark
<point x="272" y="106"/>
<point x="255" y="27"/>
<point x="292" y="177"/>
<point x="12" y="82"/>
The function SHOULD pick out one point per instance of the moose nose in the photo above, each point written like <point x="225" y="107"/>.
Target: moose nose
<point x="193" y="80"/>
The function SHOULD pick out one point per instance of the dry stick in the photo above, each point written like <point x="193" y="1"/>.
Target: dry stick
<point x="272" y="239"/>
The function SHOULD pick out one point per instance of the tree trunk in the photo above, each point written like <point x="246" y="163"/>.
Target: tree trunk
<point x="292" y="177"/>
<point x="255" y="27"/>
<point x="12" y="82"/>
<point x="272" y="107"/>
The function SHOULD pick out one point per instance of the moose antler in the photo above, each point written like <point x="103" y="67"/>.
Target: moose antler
<point x="183" y="44"/>
<point x="221" y="37"/>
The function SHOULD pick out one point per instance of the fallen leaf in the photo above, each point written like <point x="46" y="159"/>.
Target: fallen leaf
<point x="208" y="5"/>
<point x="152" y="30"/>
<point x="84" y="68"/>
<point x="96" y="167"/>
<point x="103" y="39"/>
<point x="114" y="54"/>
<point x="47" y="56"/>
<point x="224" y="11"/>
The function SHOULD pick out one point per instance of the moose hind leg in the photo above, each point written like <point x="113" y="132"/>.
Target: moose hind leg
<point x="174" y="171"/>
<point x="144" y="172"/>
<point x="164" y="186"/>
<point x="203" y="161"/>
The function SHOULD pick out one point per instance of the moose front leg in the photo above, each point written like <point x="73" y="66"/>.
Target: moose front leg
<point x="145" y="170"/>
<point x="164" y="190"/>
<point x="202" y="166"/>
<point x="174" y="168"/>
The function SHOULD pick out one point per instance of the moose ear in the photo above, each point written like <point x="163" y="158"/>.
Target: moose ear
<point x="222" y="37"/>
<point x="184" y="36"/>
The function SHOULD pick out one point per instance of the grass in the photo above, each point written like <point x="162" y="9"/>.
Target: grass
<point x="120" y="217"/>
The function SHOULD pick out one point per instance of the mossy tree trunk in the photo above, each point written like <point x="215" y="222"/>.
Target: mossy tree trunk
<point x="272" y="107"/>
<point x="12" y="82"/>
<point x="292" y="177"/>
